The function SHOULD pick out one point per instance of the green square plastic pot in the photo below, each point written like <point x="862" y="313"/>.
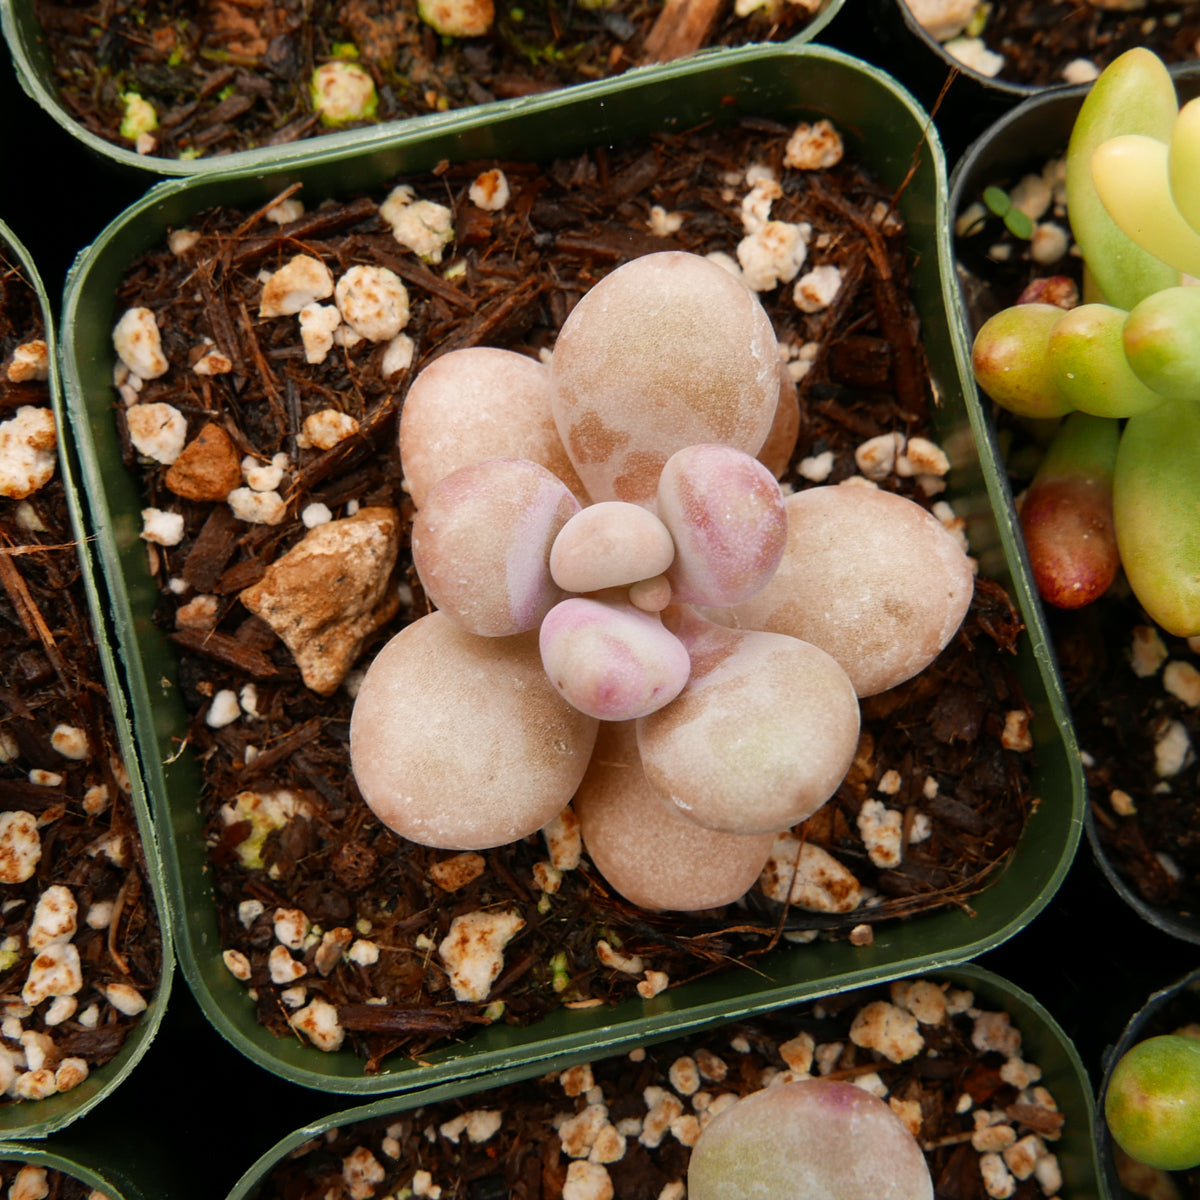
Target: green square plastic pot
<point x="36" y="1118"/>
<point x="97" y="1167"/>
<point x="1042" y="1042"/>
<point x="34" y="69"/>
<point x="1021" y="141"/>
<point x="894" y="136"/>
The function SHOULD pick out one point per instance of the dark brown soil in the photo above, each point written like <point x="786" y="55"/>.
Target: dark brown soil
<point x="52" y="676"/>
<point x="226" y="75"/>
<point x="1119" y="715"/>
<point x="526" y="1158"/>
<point x="1038" y="38"/>
<point x="523" y="268"/>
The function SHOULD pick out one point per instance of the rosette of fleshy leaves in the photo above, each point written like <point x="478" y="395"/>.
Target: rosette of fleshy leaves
<point x="618" y="581"/>
<point x="1120" y="484"/>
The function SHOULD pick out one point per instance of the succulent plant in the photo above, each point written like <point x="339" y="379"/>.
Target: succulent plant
<point x="595" y="535"/>
<point x="1131" y="354"/>
<point x="1152" y="1103"/>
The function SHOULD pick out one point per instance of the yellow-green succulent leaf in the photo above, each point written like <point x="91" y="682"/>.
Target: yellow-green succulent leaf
<point x="1183" y="162"/>
<point x="1161" y="337"/>
<point x="1011" y="360"/>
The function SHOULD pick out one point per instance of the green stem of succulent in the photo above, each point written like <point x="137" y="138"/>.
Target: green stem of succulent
<point x="1156" y="508"/>
<point x="1087" y="358"/>
<point x="1134" y="94"/>
<point x="1067" y="515"/>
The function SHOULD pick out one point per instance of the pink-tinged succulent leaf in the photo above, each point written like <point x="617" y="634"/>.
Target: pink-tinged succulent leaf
<point x="1011" y="360"/>
<point x="667" y="351"/>
<point x="776" y="452"/>
<point x="761" y="736"/>
<point x="610" y="659"/>
<point x="477" y="403"/>
<point x="459" y="742"/>
<point x="808" y="1139"/>
<point x="1067" y="513"/>
<point x="870" y="577"/>
<point x="608" y="545"/>
<point x="726" y="514"/>
<point x="645" y="849"/>
<point x="481" y="544"/>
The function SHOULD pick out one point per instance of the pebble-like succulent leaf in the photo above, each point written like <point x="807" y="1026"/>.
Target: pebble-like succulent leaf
<point x="1011" y="360"/>
<point x="1161" y="338"/>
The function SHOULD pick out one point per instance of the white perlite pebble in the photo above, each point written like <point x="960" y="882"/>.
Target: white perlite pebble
<point x="889" y="1030"/>
<point x="318" y="323"/>
<point x="397" y="356"/>
<point x="1182" y="680"/>
<point x="587" y="1181"/>
<point x="490" y="190"/>
<point x="56" y="971"/>
<point x="223" y="709"/>
<point x="316" y="514"/>
<point x="996" y="1178"/>
<point x="161" y="527"/>
<point x="257" y="508"/>
<point x="771" y="255"/>
<point x="283" y="967"/>
<point x="55" y="919"/>
<point x="325" y="429"/>
<point x="373" y="301"/>
<point x="298" y="283"/>
<point x="943" y="19"/>
<point x="319" y="1023"/>
<point x="291" y="927"/>
<point x="264" y="477"/>
<point x="882" y="830"/>
<point x="27" y="452"/>
<point x="30" y="361"/>
<point x="20" y="846"/>
<point x="159" y="431"/>
<point x="422" y="226"/>
<point x="125" y="999"/>
<point x="972" y="53"/>
<point x="813" y="147"/>
<point x="815" y="291"/>
<point x="1172" y="749"/>
<point x="1147" y="652"/>
<point x="138" y="344"/>
<point x="473" y="950"/>
<point x="1080" y="70"/>
<point x="70" y="741"/>
<point x="361" y="1171"/>
<point x="237" y="964"/>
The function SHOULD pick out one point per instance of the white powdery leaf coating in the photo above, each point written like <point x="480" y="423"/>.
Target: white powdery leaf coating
<point x="479" y="403"/>
<point x="667" y="351"/>
<point x="611" y="660"/>
<point x="871" y="578"/>
<point x="20" y="846"/>
<point x="373" y="301"/>
<point x="761" y="736"/>
<point x="441" y="710"/>
<point x="27" y="452"/>
<point x="482" y="542"/>
<point x="55" y="971"/>
<point x="725" y="512"/>
<point x="55" y="919"/>
<point x="812" y="1137"/>
<point x="819" y="883"/>
<point x="473" y="950"/>
<point x="610" y="544"/>
<point x="159" y="431"/>
<point x="138" y="343"/>
<point x="301" y="281"/>
<point x="645" y="849"/>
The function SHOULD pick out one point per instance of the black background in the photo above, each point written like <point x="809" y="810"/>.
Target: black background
<point x="197" y="1114"/>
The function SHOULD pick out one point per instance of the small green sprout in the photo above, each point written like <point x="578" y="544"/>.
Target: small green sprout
<point x="560" y="977"/>
<point x="139" y="116"/>
<point x="342" y="91"/>
<point x="999" y="202"/>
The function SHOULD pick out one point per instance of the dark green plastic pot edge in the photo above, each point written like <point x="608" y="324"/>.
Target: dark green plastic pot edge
<point x="35" y="1119"/>
<point x="96" y="1170"/>
<point x="776" y="80"/>
<point x="1038" y="128"/>
<point x="1134" y="1031"/>
<point x="31" y="62"/>
<point x="1043" y="1042"/>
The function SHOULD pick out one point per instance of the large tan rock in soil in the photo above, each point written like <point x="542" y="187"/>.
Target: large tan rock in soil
<point x="330" y="592"/>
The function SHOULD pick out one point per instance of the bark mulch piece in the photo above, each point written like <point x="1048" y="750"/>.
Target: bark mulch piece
<point x="1119" y="670"/>
<point x="634" y="1118"/>
<point x="52" y="680"/>
<point x="228" y="75"/>
<point x="939" y="739"/>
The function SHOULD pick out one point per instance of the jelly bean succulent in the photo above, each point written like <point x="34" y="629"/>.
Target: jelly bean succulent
<point x="629" y="612"/>
<point x="1152" y="1102"/>
<point x="1120" y="485"/>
